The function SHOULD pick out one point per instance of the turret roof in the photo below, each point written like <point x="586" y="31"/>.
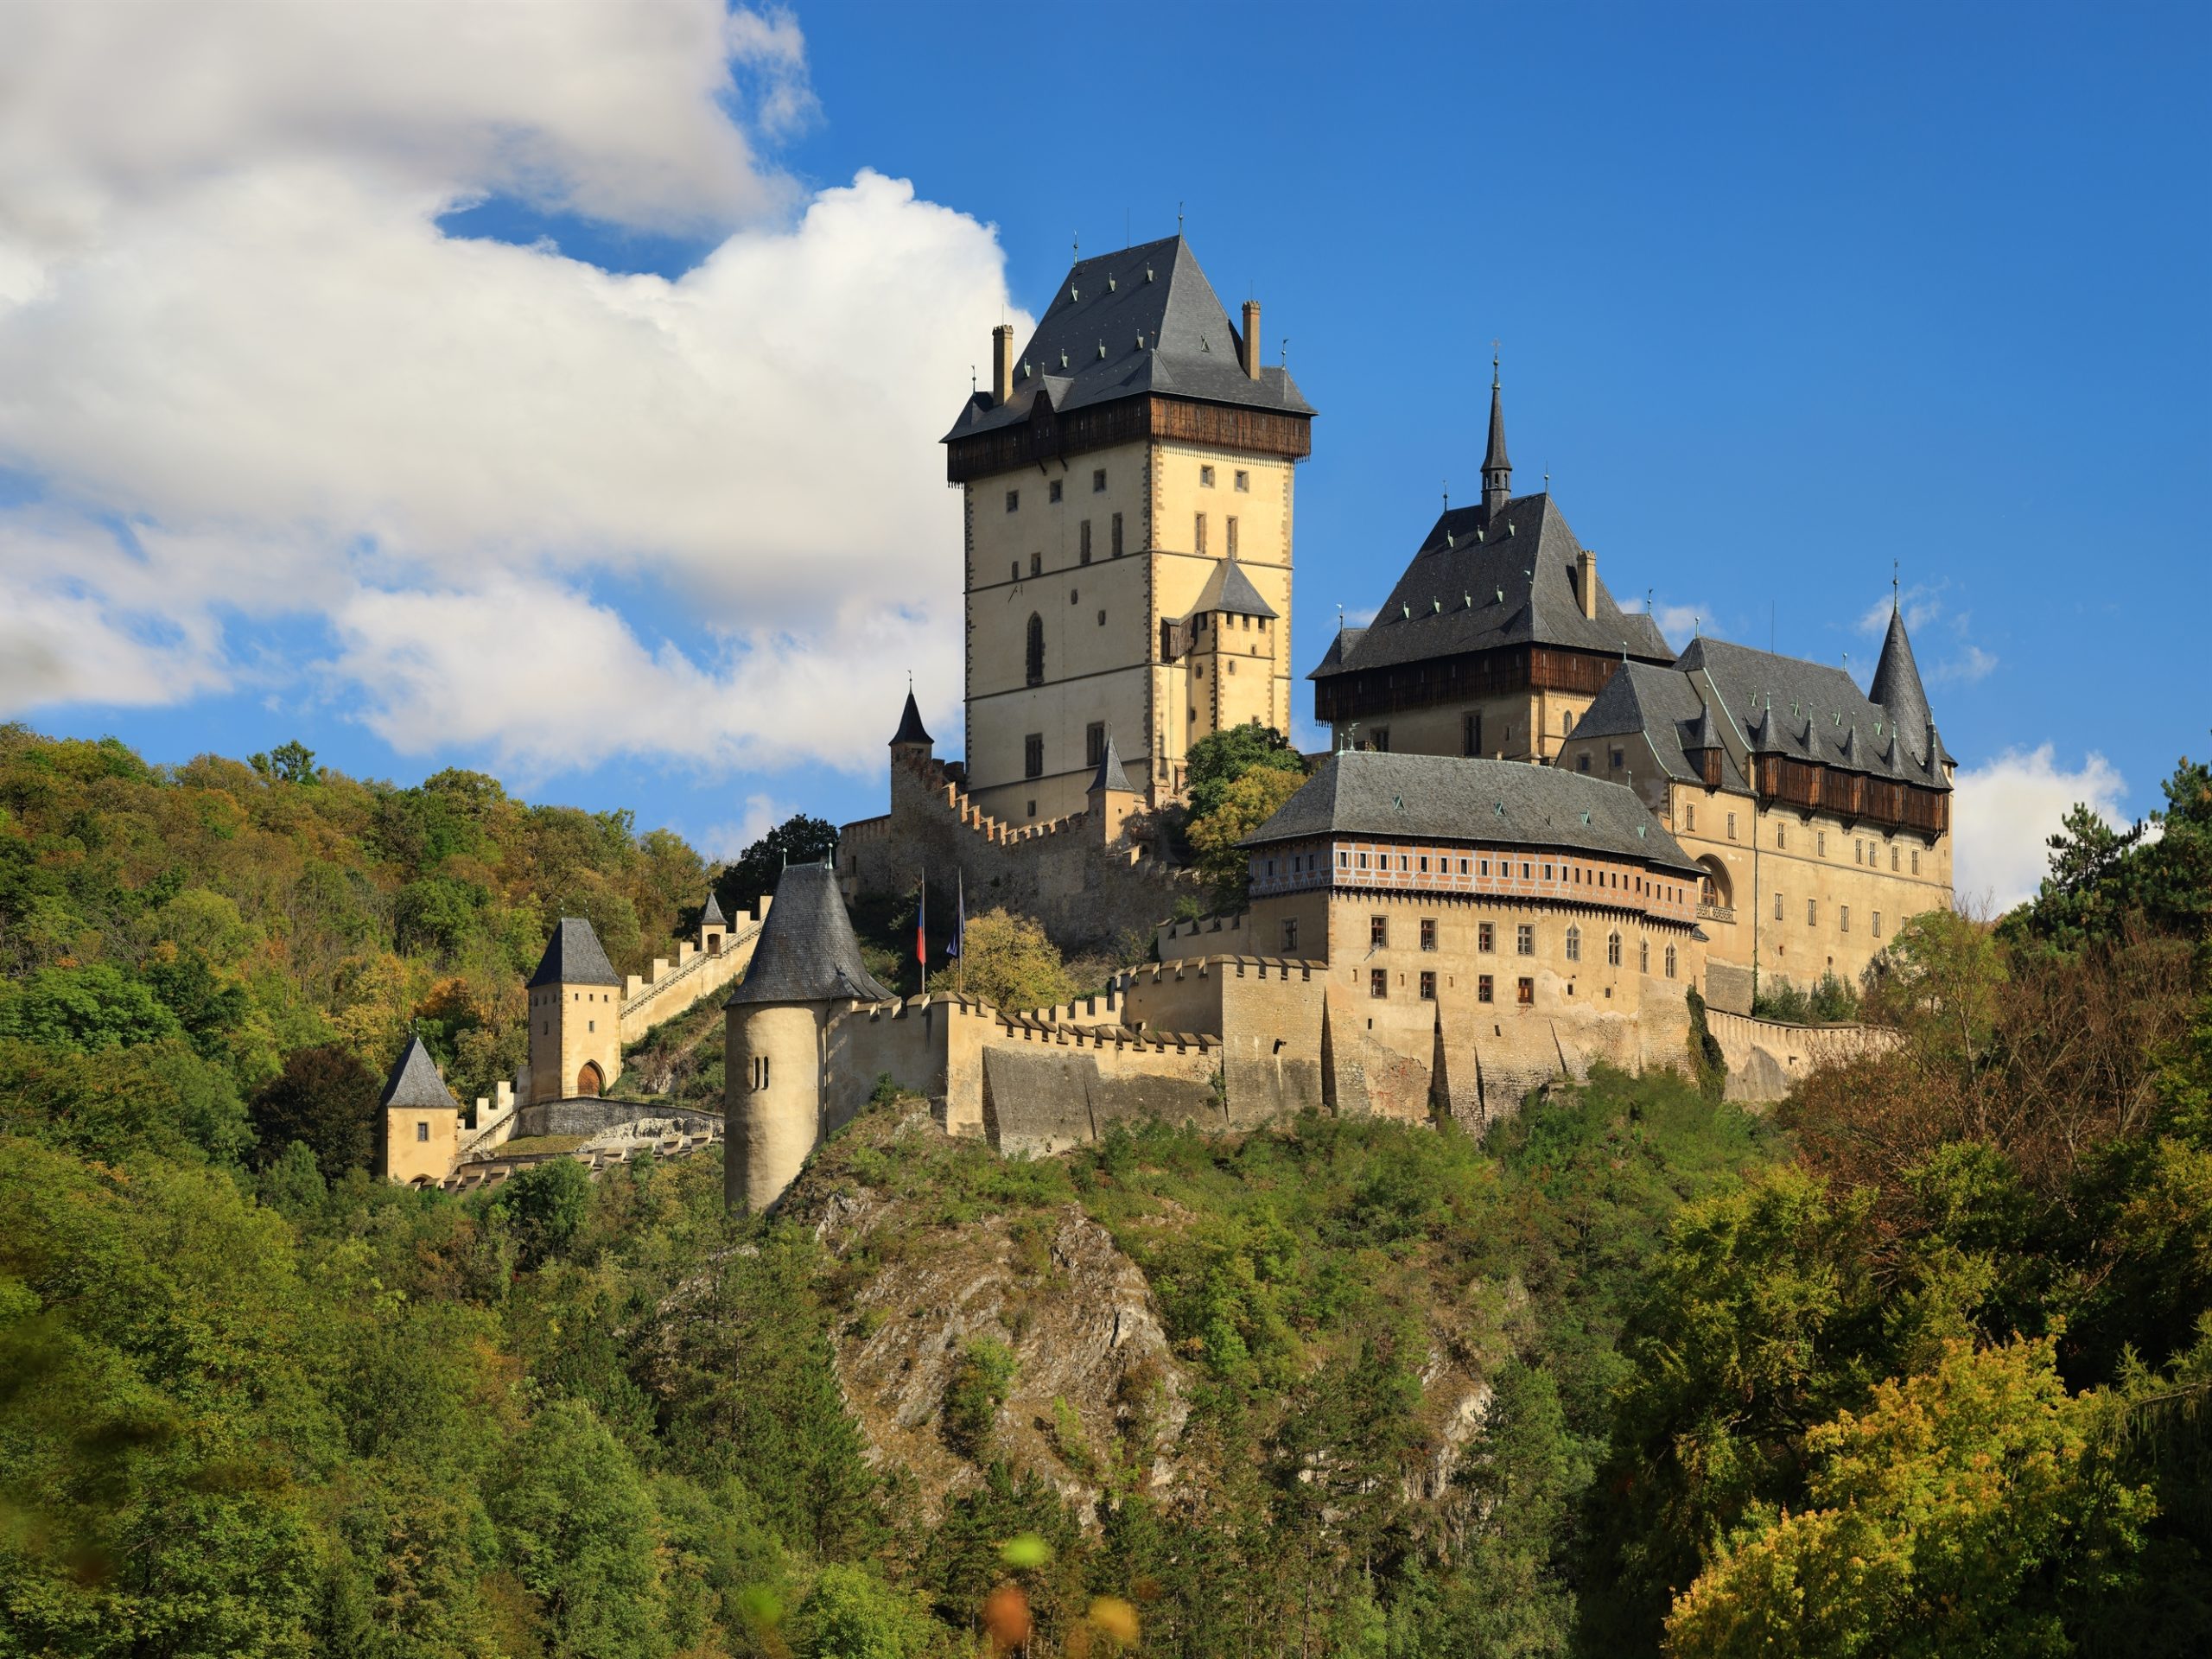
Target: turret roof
<point x="807" y="951"/>
<point x="712" y="915"/>
<point x="1494" y="459"/>
<point x="1442" y="798"/>
<point x="1109" y="776"/>
<point x="1231" y="592"/>
<point x="1897" y="685"/>
<point x="1479" y="582"/>
<point x="414" y="1080"/>
<point x="1143" y="320"/>
<point x="911" y="729"/>
<point x="574" y="955"/>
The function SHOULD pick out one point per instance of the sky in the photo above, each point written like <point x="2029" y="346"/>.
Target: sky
<point x="555" y="390"/>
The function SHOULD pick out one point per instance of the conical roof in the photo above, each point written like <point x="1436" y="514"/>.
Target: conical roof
<point x="1494" y="459"/>
<point x="1109" y="776"/>
<point x="911" y="729"/>
<point x="574" y="955"/>
<point x="807" y="952"/>
<point x="712" y="915"/>
<point x="1897" y="686"/>
<point x="1229" y="592"/>
<point x="414" y="1080"/>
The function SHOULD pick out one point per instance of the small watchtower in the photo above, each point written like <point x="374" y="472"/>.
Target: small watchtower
<point x="422" y="1120"/>
<point x="713" y="927"/>
<point x="912" y="741"/>
<point x="1111" y="797"/>
<point x="575" y="1016"/>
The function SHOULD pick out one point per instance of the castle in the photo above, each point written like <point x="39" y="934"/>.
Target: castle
<point x="1539" y="829"/>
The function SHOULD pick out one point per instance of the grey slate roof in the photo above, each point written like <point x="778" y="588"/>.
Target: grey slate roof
<point x="911" y="729"/>
<point x="575" y="956"/>
<point x="414" y="1080"/>
<point x="1510" y="586"/>
<point x="1661" y="705"/>
<point x="1442" y="798"/>
<point x="1809" y="711"/>
<point x="1897" y="683"/>
<point x="712" y="915"/>
<point x="1110" y="775"/>
<point x="1494" y="459"/>
<point x="1228" y="590"/>
<point x="807" y="952"/>
<point x="1162" y="328"/>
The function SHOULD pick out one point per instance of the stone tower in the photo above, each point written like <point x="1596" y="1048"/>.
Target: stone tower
<point x="805" y="969"/>
<point x="1131" y="448"/>
<point x="422" y="1120"/>
<point x="575" y="1016"/>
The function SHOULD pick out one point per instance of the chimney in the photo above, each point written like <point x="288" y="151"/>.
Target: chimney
<point x="1252" y="339"/>
<point x="1002" y="362"/>
<point x="1585" y="582"/>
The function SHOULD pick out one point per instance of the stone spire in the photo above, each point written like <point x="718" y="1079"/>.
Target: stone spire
<point x="1497" y="471"/>
<point x="1896" y="688"/>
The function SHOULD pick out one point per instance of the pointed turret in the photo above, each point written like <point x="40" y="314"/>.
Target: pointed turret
<point x="422" y="1120"/>
<point x="1497" y="471"/>
<point x="712" y="915"/>
<point x="1898" y="690"/>
<point x="1110" y="777"/>
<point x="911" y="729"/>
<point x="415" y="1081"/>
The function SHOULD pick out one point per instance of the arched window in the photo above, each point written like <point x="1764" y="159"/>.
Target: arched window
<point x="1036" y="648"/>
<point x="1613" y="949"/>
<point x="1670" y="961"/>
<point x="1713" y="887"/>
<point x="1574" y="943"/>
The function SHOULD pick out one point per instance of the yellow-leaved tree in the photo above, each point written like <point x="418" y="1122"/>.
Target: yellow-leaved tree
<point x="1006" y="960"/>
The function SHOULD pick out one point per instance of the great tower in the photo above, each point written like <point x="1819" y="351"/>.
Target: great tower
<point x="1128" y="486"/>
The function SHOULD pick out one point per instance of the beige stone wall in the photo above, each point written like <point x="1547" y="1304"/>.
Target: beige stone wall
<point x="1766" y="1058"/>
<point x="422" y="1143"/>
<point x="571" y="1026"/>
<point x="931" y="1045"/>
<point x="772" y="1125"/>
<point x="1515" y="725"/>
<point x="1029" y="561"/>
<point x="698" y="969"/>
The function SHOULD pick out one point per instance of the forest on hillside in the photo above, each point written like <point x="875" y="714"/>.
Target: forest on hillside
<point x="1915" y="1364"/>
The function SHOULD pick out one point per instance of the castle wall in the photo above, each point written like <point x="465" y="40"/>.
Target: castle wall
<point x="1045" y="1091"/>
<point x="670" y="988"/>
<point x="420" y="1142"/>
<point x="773" y="1121"/>
<point x="1267" y="1015"/>
<point x="589" y="1115"/>
<point x="1086" y="894"/>
<point x="571" y="1026"/>
<point x="930" y="1045"/>
<point x="1767" y="1059"/>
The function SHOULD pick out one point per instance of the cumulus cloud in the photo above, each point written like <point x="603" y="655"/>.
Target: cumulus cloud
<point x="253" y="380"/>
<point x="2004" y="810"/>
<point x="1682" y="623"/>
<point x="1943" y="640"/>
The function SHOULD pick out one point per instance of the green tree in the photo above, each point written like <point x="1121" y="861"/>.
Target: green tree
<point x="1009" y="961"/>
<point x="288" y="762"/>
<point x="88" y="1010"/>
<point x="158" y="1098"/>
<point x="1219" y="759"/>
<point x="577" y="1525"/>
<point x="1240" y="808"/>
<point x="325" y="1099"/>
<point x="1963" y="1513"/>
<point x="798" y="840"/>
<point x="546" y="1206"/>
<point x="852" y="1614"/>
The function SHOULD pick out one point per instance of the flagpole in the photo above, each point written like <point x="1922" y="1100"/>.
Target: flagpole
<point x="922" y="936"/>
<point x="960" y="921"/>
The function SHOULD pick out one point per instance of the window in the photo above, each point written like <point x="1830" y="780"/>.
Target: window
<point x="1617" y="759"/>
<point x="1483" y="992"/>
<point x="1812" y="912"/>
<point x="1547" y="871"/>
<point x="1102" y="619"/>
<point x="1013" y="500"/>
<point x="1016" y="575"/>
<point x="1644" y="956"/>
<point x="1094" y="743"/>
<point x="1098" y="481"/>
<point x="1244" y="480"/>
<point x="1485" y="936"/>
<point x="1379" y="739"/>
<point x="1052" y="491"/>
<point x="1073" y="596"/>
<point x="1378" y="982"/>
<point x="1036" y="652"/>
<point x="1378" y="931"/>
<point x="1205" y="478"/>
<point x="1232" y="551"/>
<point x="1612" y="950"/>
<point x="759" y="1072"/>
<point x="1781" y="837"/>
<point x="1877" y="923"/>
<point x="423" y="1129"/>
<point x="1427" y="929"/>
<point x="1582" y="761"/>
<point x="1731" y="826"/>
<point x="1200" y="533"/>
<point x="1033" y="808"/>
<point x="1820" y="843"/>
<point x="1574" y="943"/>
<point x="1843" y="919"/>
<point x="1470" y="734"/>
<point x="1777" y="907"/>
<point x="1915" y="861"/>
<point x="1032" y="756"/>
<point x="1289" y="934"/>
<point x="1524" y="939"/>
<point x="1429" y="988"/>
<point x="1524" y="992"/>
<point x="1117" y="534"/>
<point x="1082" y="542"/>
<point x="1340" y="858"/>
<point x="1670" y="961"/>
<point x="1689" y="814"/>
<point x="1036" y="564"/>
<point x="1893" y="858"/>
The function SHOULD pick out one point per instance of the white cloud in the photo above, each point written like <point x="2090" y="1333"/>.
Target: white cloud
<point x="725" y="841"/>
<point x="1682" y="623"/>
<point x="2005" y="810"/>
<point x="1972" y="665"/>
<point x="229" y="321"/>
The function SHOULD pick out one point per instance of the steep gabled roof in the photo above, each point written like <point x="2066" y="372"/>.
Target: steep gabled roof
<point x="1109" y="776"/>
<point x="911" y="729"/>
<point x="575" y="956"/>
<point x="415" y="1081"/>
<point x="1481" y="581"/>
<point x="1160" y="327"/>
<point x="1809" y="711"/>
<point x="1229" y="591"/>
<point x="807" y="952"/>
<point x="1442" y="798"/>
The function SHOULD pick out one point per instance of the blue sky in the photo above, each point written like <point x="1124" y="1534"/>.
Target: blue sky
<point x="1784" y="295"/>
